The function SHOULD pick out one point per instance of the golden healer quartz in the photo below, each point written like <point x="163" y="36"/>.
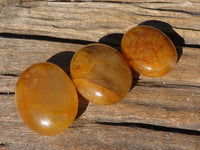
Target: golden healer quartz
<point x="46" y="98"/>
<point x="149" y="51"/>
<point x="101" y="74"/>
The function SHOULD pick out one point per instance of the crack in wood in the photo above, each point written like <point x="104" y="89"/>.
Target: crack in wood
<point x="8" y="74"/>
<point x="165" y="106"/>
<point x="3" y="144"/>
<point x="171" y="10"/>
<point x="192" y="45"/>
<point x="44" y="38"/>
<point x="85" y="1"/>
<point x="186" y="29"/>
<point x="7" y="93"/>
<point x="22" y="6"/>
<point x="153" y="84"/>
<point x="131" y="13"/>
<point x="153" y="127"/>
<point x="97" y="1"/>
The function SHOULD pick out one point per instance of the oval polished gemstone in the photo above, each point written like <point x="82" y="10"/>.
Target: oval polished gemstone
<point x="101" y="74"/>
<point x="46" y="98"/>
<point x="149" y="51"/>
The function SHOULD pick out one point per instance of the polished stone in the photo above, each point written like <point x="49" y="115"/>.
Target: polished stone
<point x="149" y="51"/>
<point x="46" y="98"/>
<point x="101" y="74"/>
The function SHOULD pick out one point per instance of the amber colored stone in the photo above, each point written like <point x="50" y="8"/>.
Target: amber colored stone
<point x="46" y="98"/>
<point x="101" y="74"/>
<point x="149" y="51"/>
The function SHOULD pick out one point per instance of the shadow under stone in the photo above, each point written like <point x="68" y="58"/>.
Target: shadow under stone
<point x="63" y="60"/>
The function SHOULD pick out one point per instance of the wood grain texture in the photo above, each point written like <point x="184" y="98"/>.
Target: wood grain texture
<point x="168" y="98"/>
<point x="85" y="134"/>
<point x="158" y="113"/>
<point x="92" y="20"/>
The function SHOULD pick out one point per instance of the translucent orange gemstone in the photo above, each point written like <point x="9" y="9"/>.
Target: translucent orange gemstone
<point x="46" y="98"/>
<point x="101" y="74"/>
<point x="149" y="51"/>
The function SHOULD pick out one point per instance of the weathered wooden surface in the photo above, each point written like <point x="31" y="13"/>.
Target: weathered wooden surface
<point x="158" y="113"/>
<point x="84" y="134"/>
<point x="92" y="20"/>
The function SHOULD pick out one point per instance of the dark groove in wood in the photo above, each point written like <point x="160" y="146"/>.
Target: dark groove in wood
<point x="192" y="45"/>
<point x="186" y="28"/>
<point x="7" y="93"/>
<point x="114" y="2"/>
<point x="172" y="10"/>
<point x="22" y="6"/>
<point x="153" y="127"/>
<point x="44" y="38"/>
<point x="151" y="15"/>
<point x="118" y="2"/>
<point x="71" y="1"/>
<point x="153" y="84"/>
<point x="3" y="145"/>
<point x="8" y="74"/>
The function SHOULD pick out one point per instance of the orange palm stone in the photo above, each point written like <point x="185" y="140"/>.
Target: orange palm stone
<point x="149" y="51"/>
<point x="101" y="74"/>
<point x="46" y="98"/>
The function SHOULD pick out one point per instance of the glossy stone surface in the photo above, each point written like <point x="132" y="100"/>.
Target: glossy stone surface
<point x="101" y="74"/>
<point x="149" y="51"/>
<point x="46" y="98"/>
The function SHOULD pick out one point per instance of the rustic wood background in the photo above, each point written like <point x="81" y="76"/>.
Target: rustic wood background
<point x="158" y="113"/>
